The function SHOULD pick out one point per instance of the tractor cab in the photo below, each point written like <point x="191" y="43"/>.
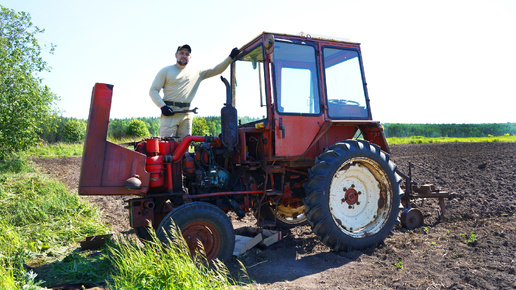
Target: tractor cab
<point x="297" y="95"/>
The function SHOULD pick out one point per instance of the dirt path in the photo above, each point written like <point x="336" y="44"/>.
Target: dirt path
<point x="482" y="180"/>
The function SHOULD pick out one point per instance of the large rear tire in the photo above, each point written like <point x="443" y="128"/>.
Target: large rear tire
<point x="353" y="196"/>
<point x="201" y="222"/>
<point x="286" y="217"/>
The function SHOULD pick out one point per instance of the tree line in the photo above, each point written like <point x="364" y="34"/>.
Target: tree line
<point x="449" y="130"/>
<point x="62" y="129"/>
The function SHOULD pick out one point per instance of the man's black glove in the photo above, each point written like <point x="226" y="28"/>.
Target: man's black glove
<point x="167" y="111"/>
<point x="234" y="53"/>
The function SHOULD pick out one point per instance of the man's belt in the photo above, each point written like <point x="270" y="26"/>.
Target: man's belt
<point x="177" y="104"/>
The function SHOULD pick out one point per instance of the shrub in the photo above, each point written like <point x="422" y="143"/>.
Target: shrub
<point x="74" y="131"/>
<point x="200" y="127"/>
<point x="137" y="128"/>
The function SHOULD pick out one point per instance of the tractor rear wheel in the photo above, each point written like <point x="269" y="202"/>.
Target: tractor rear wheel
<point x="353" y="196"/>
<point x="286" y="216"/>
<point x="201" y="223"/>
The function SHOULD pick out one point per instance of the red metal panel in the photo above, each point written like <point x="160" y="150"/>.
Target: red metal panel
<point x="106" y="166"/>
<point x="121" y="164"/>
<point x="96" y="133"/>
<point x="297" y="135"/>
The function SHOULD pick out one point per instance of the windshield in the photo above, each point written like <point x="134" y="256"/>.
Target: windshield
<point x="296" y="79"/>
<point x="249" y="89"/>
<point x="344" y="84"/>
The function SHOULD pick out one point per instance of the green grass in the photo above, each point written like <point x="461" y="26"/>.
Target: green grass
<point x="40" y="222"/>
<point x="421" y="139"/>
<point x="155" y="266"/>
<point x="55" y="150"/>
<point x="40" y="228"/>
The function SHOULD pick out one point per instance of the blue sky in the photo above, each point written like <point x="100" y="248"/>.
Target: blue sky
<point x="425" y="61"/>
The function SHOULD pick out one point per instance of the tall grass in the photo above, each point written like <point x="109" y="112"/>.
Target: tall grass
<point x="41" y="224"/>
<point x="45" y="212"/>
<point x="158" y="266"/>
<point x="38" y="216"/>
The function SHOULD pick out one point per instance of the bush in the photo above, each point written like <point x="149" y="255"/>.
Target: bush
<point x="74" y="131"/>
<point x="137" y="128"/>
<point x="200" y="127"/>
<point x="13" y="164"/>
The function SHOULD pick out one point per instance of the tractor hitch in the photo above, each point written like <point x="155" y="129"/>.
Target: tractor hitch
<point x="412" y="217"/>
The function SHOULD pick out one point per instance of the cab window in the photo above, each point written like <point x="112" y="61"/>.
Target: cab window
<point x="295" y="75"/>
<point x="344" y="84"/>
<point x="249" y="90"/>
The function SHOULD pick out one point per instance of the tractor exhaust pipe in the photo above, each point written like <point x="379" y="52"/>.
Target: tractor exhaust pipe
<point x="228" y="119"/>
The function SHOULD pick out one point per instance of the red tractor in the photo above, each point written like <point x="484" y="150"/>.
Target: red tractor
<point x="303" y="150"/>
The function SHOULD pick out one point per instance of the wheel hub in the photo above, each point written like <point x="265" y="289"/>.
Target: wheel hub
<point x="199" y="236"/>
<point x="351" y="196"/>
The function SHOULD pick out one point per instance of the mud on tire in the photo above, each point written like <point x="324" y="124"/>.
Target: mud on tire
<point x="353" y="196"/>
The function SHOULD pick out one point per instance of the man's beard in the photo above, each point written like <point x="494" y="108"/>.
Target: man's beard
<point x="182" y="62"/>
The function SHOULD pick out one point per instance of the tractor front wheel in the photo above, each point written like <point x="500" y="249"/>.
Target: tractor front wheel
<point x="353" y="195"/>
<point x="201" y="224"/>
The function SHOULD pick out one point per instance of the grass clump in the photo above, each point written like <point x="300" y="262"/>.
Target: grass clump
<point x="158" y="266"/>
<point x="45" y="212"/>
<point x="13" y="164"/>
<point x="77" y="267"/>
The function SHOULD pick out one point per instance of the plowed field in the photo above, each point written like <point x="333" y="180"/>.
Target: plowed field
<point x="481" y="178"/>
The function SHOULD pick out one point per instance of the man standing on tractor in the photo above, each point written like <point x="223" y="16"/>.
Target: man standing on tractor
<point x="179" y="85"/>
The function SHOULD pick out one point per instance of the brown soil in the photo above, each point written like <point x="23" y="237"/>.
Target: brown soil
<point x="481" y="178"/>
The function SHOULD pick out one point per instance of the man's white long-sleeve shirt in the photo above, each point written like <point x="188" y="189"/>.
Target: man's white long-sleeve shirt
<point x="181" y="84"/>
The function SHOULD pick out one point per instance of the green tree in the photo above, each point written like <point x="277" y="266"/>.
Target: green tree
<point x="74" y="130"/>
<point x="25" y="103"/>
<point x="214" y="125"/>
<point x="153" y="124"/>
<point x="199" y="127"/>
<point x="137" y="128"/>
<point x="117" y="129"/>
<point x="52" y="131"/>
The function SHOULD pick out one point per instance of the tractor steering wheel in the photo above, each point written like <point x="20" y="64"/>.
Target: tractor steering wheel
<point x="342" y="102"/>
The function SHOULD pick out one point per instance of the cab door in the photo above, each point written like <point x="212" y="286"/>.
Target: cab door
<point x="298" y="115"/>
